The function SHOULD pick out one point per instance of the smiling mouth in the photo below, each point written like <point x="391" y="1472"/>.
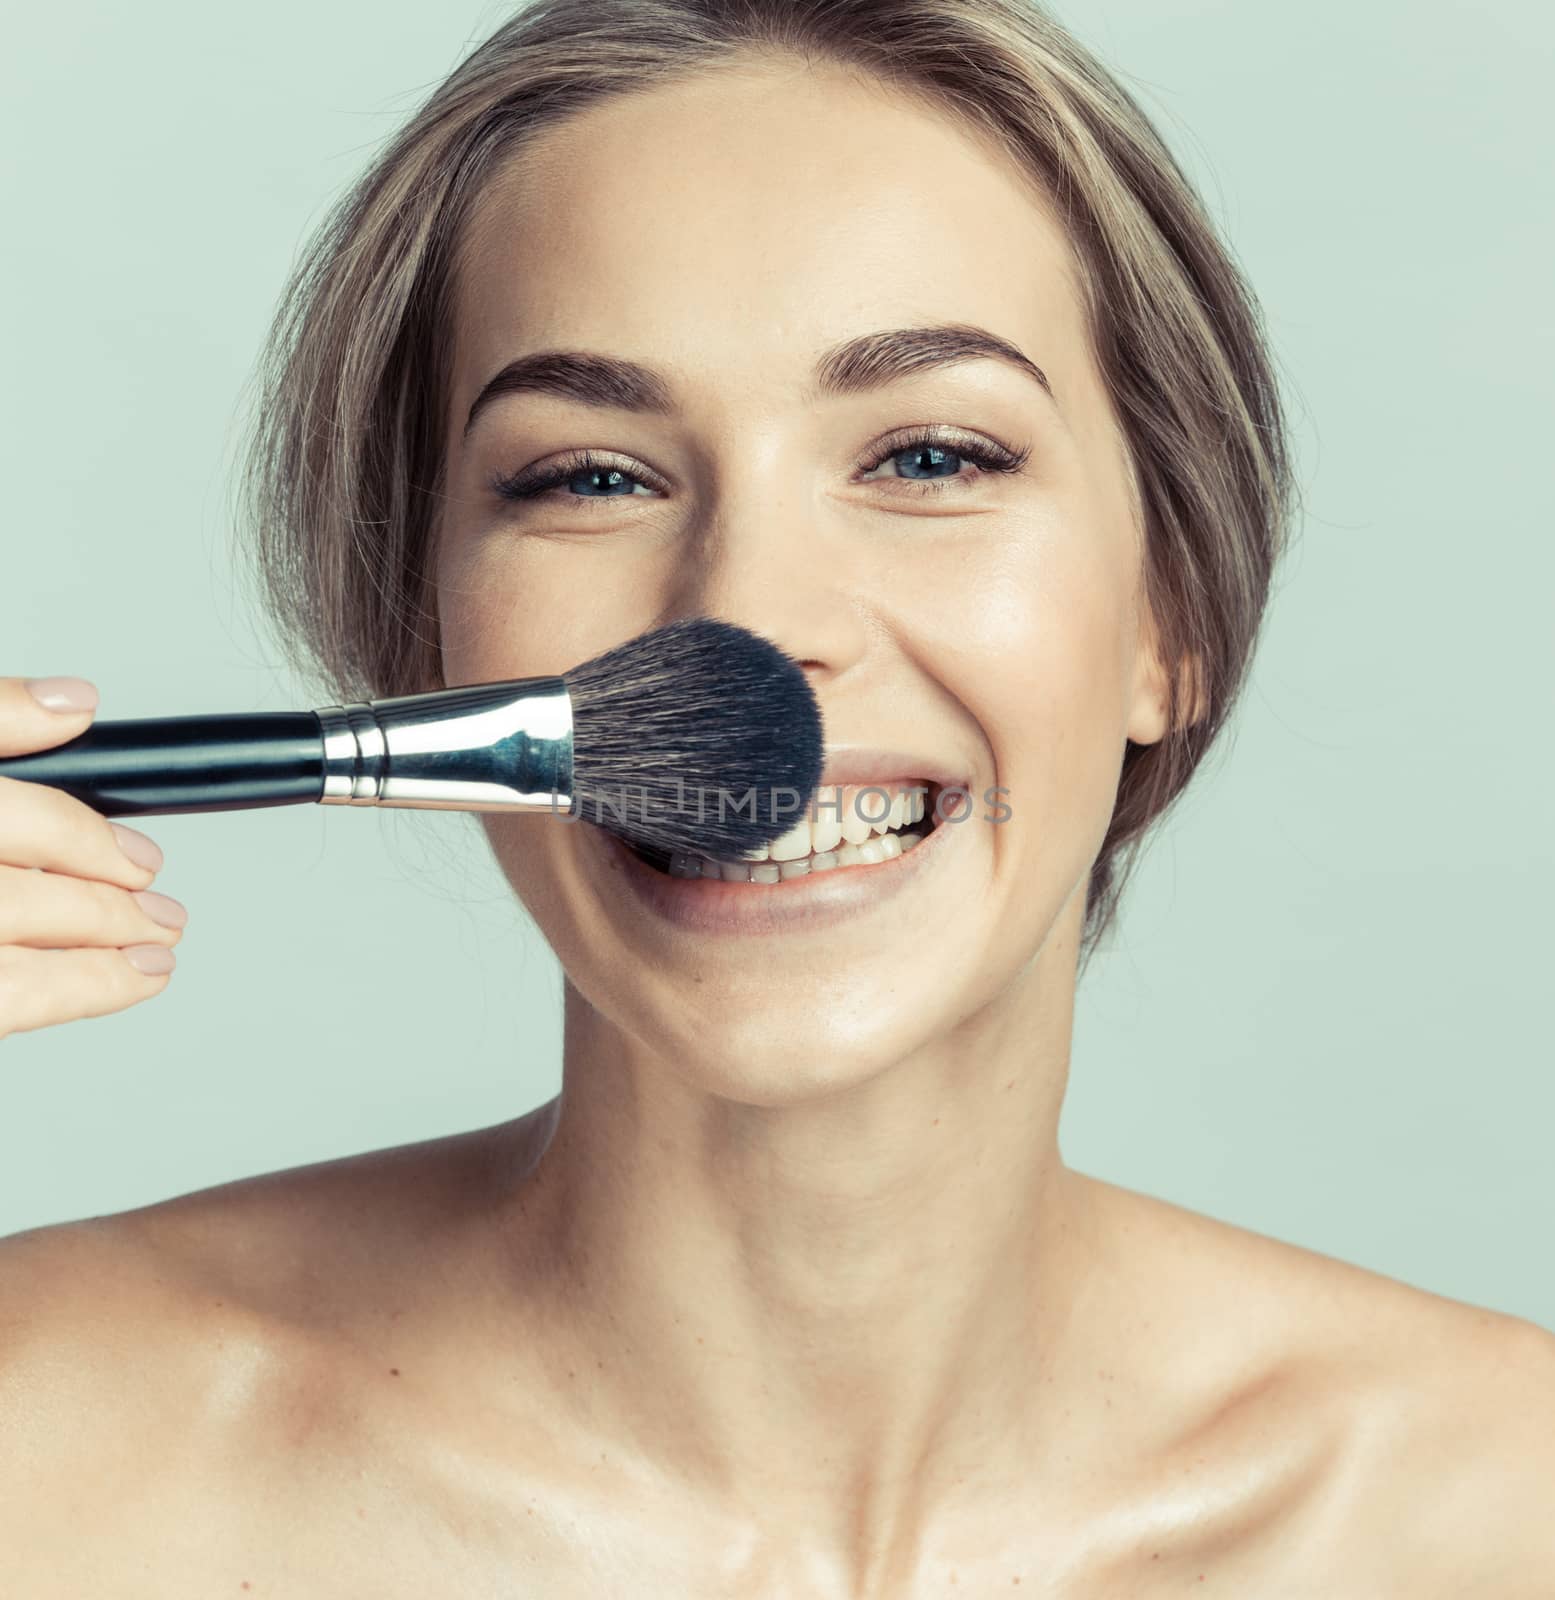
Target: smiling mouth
<point x="831" y="836"/>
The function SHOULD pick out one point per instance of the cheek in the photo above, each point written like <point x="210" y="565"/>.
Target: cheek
<point x="520" y="846"/>
<point x="514" y="612"/>
<point x="1029" y="627"/>
<point x="531" y="853"/>
<point x="1035" y="646"/>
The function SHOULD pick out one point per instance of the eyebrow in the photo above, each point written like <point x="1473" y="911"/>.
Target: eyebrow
<point x="868" y="361"/>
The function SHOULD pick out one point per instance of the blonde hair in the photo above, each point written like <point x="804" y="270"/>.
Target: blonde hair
<point x="344" y="461"/>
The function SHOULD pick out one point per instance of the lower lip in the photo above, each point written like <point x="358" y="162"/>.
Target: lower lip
<point x="817" y="900"/>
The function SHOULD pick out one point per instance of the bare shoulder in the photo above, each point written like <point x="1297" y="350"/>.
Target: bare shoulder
<point x="1433" y="1419"/>
<point x="1461" y="1455"/>
<point x="153" y="1362"/>
<point x="106" y="1378"/>
<point x="294" y="1245"/>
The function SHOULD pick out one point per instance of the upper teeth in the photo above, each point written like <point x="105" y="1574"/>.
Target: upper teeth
<point x="836" y="819"/>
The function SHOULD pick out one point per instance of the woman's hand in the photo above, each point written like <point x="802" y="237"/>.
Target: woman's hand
<point x="83" y="936"/>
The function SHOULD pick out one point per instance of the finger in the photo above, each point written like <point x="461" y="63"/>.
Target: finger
<point x="51" y="911"/>
<point x="41" y="987"/>
<point x="26" y="725"/>
<point x="41" y="826"/>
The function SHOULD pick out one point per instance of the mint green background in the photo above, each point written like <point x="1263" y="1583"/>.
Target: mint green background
<point x="1326" y="1017"/>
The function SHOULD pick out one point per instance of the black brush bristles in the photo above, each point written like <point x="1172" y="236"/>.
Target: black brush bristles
<point x="697" y="736"/>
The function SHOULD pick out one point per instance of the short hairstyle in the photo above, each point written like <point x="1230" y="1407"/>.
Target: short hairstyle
<point x="343" y="466"/>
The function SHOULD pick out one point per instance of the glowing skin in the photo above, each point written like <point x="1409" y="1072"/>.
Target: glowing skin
<point x="995" y="625"/>
<point x="891" y="1087"/>
<point x="802" y="1221"/>
<point x="793" y="1294"/>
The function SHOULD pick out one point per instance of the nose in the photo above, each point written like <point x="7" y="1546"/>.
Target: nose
<point x="771" y="568"/>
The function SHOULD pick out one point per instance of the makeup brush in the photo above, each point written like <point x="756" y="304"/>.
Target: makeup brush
<point x="700" y="735"/>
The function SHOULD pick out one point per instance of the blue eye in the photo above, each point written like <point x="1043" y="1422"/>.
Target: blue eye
<point x="583" y="465"/>
<point x="602" y="479"/>
<point x="928" y="452"/>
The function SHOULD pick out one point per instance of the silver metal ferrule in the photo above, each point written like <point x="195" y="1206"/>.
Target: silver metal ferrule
<point x="482" y="747"/>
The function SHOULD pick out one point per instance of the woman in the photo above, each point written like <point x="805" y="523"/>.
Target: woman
<point x="889" y="329"/>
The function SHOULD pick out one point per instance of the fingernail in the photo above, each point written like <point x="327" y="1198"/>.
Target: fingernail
<point x="142" y="851"/>
<point x="151" y="959"/>
<point x="63" y="694"/>
<point x="161" y="908"/>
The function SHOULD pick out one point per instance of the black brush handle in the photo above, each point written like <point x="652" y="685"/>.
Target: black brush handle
<point x="168" y="765"/>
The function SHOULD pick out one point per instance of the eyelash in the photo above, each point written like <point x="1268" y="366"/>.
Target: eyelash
<point x="990" y="459"/>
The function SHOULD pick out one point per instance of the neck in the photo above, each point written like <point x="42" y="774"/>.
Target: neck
<point x="820" y="1311"/>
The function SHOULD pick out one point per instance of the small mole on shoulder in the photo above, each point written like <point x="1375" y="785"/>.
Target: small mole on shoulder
<point x="394" y="1372"/>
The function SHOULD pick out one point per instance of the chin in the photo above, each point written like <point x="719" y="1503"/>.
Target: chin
<point x="786" y="1049"/>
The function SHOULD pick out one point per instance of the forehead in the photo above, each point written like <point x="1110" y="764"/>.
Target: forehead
<point x="734" y="223"/>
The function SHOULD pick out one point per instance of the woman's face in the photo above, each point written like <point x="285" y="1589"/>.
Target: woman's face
<point x="728" y="233"/>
